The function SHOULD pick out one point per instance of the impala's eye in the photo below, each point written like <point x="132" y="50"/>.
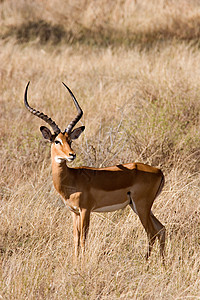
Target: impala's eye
<point x="57" y="142"/>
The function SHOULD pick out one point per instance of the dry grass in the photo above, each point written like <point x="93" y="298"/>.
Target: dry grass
<point x="134" y="66"/>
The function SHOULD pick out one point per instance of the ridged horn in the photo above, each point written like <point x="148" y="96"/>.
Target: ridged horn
<point x="79" y="115"/>
<point x="40" y="115"/>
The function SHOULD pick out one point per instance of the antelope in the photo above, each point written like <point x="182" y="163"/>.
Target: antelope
<point x="86" y="189"/>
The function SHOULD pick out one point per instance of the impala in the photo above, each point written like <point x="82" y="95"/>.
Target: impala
<point x="85" y="190"/>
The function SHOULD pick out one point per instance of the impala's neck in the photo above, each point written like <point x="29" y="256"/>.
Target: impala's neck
<point x="62" y="177"/>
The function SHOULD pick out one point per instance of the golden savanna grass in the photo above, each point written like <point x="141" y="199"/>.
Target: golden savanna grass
<point x="134" y="67"/>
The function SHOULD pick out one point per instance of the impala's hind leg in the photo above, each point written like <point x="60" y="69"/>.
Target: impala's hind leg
<point x="151" y="225"/>
<point x="146" y="222"/>
<point x="151" y="240"/>
<point x="155" y="229"/>
<point x="160" y="233"/>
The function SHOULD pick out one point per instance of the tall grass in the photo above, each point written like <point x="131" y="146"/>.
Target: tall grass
<point x="134" y="67"/>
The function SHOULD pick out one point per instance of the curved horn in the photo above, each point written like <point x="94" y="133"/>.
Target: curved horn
<point x="39" y="114"/>
<point x="79" y="115"/>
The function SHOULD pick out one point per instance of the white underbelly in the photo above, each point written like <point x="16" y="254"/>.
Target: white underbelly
<point x="113" y="207"/>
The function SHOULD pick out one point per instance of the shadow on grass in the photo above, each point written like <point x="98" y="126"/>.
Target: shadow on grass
<point x="44" y="32"/>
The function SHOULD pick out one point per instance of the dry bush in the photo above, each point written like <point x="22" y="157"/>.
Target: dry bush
<point x="138" y="105"/>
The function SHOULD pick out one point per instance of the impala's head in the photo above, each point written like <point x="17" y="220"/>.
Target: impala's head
<point x="61" y="141"/>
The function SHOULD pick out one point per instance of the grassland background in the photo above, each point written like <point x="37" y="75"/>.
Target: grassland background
<point x="134" y="67"/>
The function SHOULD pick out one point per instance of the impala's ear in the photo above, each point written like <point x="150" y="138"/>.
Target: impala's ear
<point x="47" y="133"/>
<point x="77" y="132"/>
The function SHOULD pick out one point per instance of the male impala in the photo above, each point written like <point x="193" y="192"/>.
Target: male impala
<point x="85" y="190"/>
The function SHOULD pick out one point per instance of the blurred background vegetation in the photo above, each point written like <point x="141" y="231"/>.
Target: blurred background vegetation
<point x="134" y="67"/>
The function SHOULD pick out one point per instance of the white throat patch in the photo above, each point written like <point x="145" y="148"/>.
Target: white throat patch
<point x="58" y="160"/>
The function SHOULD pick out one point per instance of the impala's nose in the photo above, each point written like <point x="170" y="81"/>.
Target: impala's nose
<point x="71" y="156"/>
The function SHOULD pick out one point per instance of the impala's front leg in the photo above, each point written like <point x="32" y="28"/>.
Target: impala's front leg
<point x="85" y="221"/>
<point x="76" y="234"/>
